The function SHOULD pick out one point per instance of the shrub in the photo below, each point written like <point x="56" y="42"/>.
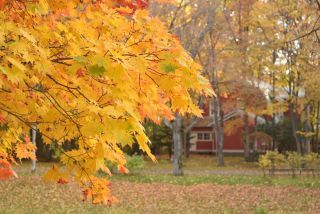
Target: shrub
<point x="271" y="159"/>
<point x="312" y="160"/>
<point x="134" y="163"/>
<point x="294" y="161"/>
<point x="264" y="163"/>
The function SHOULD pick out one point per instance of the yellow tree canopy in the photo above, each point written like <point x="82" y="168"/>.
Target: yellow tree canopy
<point x="90" y="71"/>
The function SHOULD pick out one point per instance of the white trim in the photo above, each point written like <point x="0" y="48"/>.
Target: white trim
<point x="203" y="140"/>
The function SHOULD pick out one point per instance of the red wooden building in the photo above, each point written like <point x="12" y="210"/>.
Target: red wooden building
<point x="202" y="133"/>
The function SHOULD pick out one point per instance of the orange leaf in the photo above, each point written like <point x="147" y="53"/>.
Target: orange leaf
<point x="2" y="119"/>
<point x="5" y="163"/>
<point x="106" y="170"/>
<point x="26" y="139"/>
<point x="62" y="181"/>
<point x="86" y="193"/>
<point x="123" y="169"/>
<point x="2" y="3"/>
<point x="125" y="10"/>
<point x="6" y="171"/>
<point x="108" y="183"/>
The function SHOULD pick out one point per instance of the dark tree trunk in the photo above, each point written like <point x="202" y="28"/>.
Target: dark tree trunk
<point x="316" y="143"/>
<point x="177" y="145"/>
<point x="307" y="129"/>
<point x="294" y="126"/>
<point x="218" y="130"/>
<point x="187" y="144"/>
<point x="255" y="139"/>
<point x="274" y="142"/>
<point x="246" y="137"/>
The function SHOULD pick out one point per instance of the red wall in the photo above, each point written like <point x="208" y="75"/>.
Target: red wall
<point x="233" y="141"/>
<point x="204" y="145"/>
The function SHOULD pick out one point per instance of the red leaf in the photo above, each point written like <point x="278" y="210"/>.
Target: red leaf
<point x="86" y="193"/>
<point x="2" y="119"/>
<point x="142" y="4"/>
<point x="6" y="173"/>
<point x="80" y="72"/>
<point x="2" y="3"/>
<point x="108" y="183"/>
<point x="5" y="163"/>
<point x="62" y="181"/>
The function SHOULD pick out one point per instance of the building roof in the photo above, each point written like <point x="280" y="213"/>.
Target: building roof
<point x="203" y="122"/>
<point x="208" y="120"/>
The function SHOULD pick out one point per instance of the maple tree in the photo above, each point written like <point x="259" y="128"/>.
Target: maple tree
<point x="90" y="71"/>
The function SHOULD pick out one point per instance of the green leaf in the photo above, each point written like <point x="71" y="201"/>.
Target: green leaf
<point x="96" y="70"/>
<point x="168" y="67"/>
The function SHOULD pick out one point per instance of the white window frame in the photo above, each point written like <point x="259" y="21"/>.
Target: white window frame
<point x="200" y="134"/>
<point x="203" y="134"/>
<point x="208" y="135"/>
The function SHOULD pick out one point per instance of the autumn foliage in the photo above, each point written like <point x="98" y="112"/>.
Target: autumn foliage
<point x="6" y="171"/>
<point x="87" y="71"/>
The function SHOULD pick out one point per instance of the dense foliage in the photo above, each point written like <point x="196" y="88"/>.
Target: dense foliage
<point x="89" y="71"/>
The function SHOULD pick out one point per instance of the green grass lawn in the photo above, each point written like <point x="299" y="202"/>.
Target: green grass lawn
<point x="203" y="162"/>
<point x="256" y="180"/>
<point x="163" y="193"/>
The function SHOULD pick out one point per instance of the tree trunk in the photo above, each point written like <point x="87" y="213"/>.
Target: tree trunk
<point x="293" y="116"/>
<point x="246" y="137"/>
<point x="177" y="146"/>
<point x="186" y="136"/>
<point x="316" y="143"/>
<point x="255" y="140"/>
<point x="33" y="137"/>
<point x="187" y="144"/>
<point x="274" y="146"/>
<point x="273" y="95"/>
<point x="218" y="130"/>
<point x="307" y="129"/>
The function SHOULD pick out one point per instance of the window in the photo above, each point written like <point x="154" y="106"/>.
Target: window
<point x="206" y="136"/>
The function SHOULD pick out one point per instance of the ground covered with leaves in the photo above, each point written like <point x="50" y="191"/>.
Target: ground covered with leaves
<point x="143" y="193"/>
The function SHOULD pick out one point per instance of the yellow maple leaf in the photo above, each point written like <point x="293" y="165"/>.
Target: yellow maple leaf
<point x="26" y="150"/>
